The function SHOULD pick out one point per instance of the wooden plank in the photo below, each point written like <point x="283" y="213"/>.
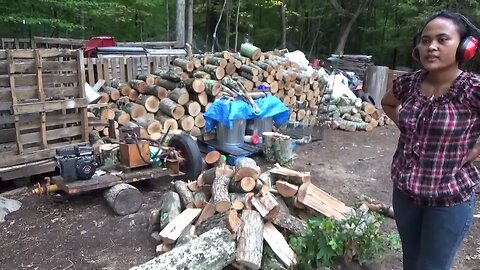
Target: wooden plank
<point x="123" y="73"/>
<point x="91" y="73"/>
<point x="99" y="68"/>
<point x="129" y="69"/>
<point x="8" y="135"/>
<point x="14" y="101"/>
<point x="6" y="119"/>
<point x="172" y="231"/>
<point x="49" y="79"/>
<point x="106" y="69"/>
<point x="53" y="134"/>
<point x="149" y="64"/>
<point x="114" y="68"/>
<point x="46" y="53"/>
<point x="49" y="106"/>
<point x="60" y="41"/>
<point x="24" y="93"/>
<point x="41" y="96"/>
<point x="29" y="66"/>
<point x="31" y="122"/>
<point x="5" y="105"/>
<point x="81" y="84"/>
<point x="35" y="169"/>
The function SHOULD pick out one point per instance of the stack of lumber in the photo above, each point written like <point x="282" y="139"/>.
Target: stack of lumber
<point x="353" y="63"/>
<point x="176" y="96"/>
<point x="224" y="216"/>
<point x="357" y="115"/>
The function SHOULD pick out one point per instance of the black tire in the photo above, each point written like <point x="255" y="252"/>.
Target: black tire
<point x="192" y="167"/>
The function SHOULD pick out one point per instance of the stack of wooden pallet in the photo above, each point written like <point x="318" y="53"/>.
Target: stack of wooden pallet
<point x="176" y="96"/>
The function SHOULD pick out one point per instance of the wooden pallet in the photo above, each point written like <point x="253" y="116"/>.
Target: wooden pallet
<point x="43" y="91"/>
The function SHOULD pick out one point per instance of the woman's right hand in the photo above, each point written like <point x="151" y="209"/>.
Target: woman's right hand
<point x="390" y="105"/>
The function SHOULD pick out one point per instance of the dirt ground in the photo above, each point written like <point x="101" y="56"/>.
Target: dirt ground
<point x="83" y="233"/>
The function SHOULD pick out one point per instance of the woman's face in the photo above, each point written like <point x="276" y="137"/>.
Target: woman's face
<point x="438" y="45"/>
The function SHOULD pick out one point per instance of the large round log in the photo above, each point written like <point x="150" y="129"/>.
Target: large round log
<point x="201" y="74"/>
<point x="151" y="103"/>
<point x="201" y="98"/>
<point x="212" y="87"/>
<point x="179" y="95"/>
<point x="167" y="84"/>
<point x="251" y="51"/>
<point x="171" y="108"/>
<point x="186" y="123"/>
<point x="221" y="200"/>
<point x="149" y="123"/>
<point x="166" y="121"/>
<point x="122" y="86"/>
<point x="195" y="132"/>
<point x="124" y="199"/>
<point x="245" y="167"/>
<point x="194" y="85"/>
<point x="158" y="91"/>
<point x="148" y="78"/>
<point x="216" y="72"/>
<point x="199" y="198"/>
<point x="139" y="85"/>
<point x="214" y="249"/>
<point x="193" y="108"/>
<point x="121" y="117"/>
<point x="199" y="120"/>
<point x="212" y="158"/>
<point x="186" y="65"/>
<point x="114" y="93"/>
<point x="135" y="110"/>
<point x="171" y="208"/>
<point x="250" y="240"/>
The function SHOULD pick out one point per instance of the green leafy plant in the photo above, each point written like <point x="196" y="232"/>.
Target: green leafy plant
<point x="358" y="238"/>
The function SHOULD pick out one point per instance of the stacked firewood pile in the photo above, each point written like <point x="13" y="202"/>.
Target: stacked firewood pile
<point x="355" y="115"/>
<point x="224" y="216"/>
<point x="177" y="95"/>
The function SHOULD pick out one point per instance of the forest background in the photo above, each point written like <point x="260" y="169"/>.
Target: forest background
<point x="381" y="28"/>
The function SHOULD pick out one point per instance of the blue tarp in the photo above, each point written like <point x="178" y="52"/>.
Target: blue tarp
<point x="226" y="111"/>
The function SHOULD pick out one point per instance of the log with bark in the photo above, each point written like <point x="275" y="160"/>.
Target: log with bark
<point x="229" y="220"/>
<point x="266" y="205"/>
<point x="135" y="110"/>
<point x="171" y="208"/>
<point x="151" y="103"/>
<point x="246" y="167"/>
<point x="166" y="121"/>
<point x="112" y="92"/>
<point x="179" y="95"/>
<point x="139" y="85"/>
<point x="250" y="240"/>
<point x="220" y="196"/>
<point x="171" y="108"/>
<point x="186" y="65"/>
<point x="193" y="255"/>
<point x="251" y="51"/>
<point x="186" y="196"/>
<point x="124" y="199"/>
<point x="148" y="78"/>
<point x="157" y="91"/>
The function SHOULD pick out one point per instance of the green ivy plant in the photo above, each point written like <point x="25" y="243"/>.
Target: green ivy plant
<point x="357" y="238"/>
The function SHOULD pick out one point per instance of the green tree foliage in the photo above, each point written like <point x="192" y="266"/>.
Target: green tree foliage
<point x="383" y="28"/>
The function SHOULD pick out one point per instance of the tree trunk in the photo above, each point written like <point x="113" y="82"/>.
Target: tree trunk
<point x="124" y="199"/>
<point x="284" y="23"/>
<point x="345" y="31"/>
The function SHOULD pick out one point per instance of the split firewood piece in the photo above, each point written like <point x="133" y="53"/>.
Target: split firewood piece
<point x="186" y="65"/>
<point x="200" y="198"/>
<point x="289" y="175"/>
<point x="322" y="202"/>
<point x="286" y="189"/>
<point x="229" y="220"/>
<point x="279" y="245"/>
<point x="148" y="78"/>
<point x="166" y="121"/>
<point x="220" y="196"/>
<point x="193" y="255"/>
<point x="207" y="211"/>
<point x="171" y="208"/>
<point x="212" y="158"/>
<point x="193" y="186"/>
<point x="246" y="167"/>
<point x="266" y="205"/>
<point x="171" y="108"/>
<point x="186" y="196"/>
<point x="121" y="117"/>
<point x="286" y="220"/>
<point x="139" y="85"/>
<point x="247" y="184"/>
<point x="240" y="200"/>
<point x="250" y="240"/>
<point x="136" y="111"/>
<point x="173" y="230"/>
<point x="124" y="199"/>
<point x="179" y="95"/>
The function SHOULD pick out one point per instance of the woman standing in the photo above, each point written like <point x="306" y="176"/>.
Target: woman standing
<point x="437" y="110"/>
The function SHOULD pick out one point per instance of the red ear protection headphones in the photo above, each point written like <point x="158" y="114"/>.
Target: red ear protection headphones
<point x="466" y="49"/>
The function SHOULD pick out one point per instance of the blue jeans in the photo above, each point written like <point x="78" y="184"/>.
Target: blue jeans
<point x="431" y="235"/>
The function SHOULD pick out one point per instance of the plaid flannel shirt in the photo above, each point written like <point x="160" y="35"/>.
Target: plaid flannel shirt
<point x="436" y="135"/>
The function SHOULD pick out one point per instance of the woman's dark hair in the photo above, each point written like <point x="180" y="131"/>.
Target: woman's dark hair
<point x="464" y="26"/>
